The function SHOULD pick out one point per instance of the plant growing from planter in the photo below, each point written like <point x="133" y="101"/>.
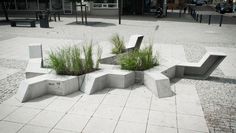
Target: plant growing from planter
<point x="68" y="61"/>
<point x="138" y="60"/>
<point x="118" y="44"/>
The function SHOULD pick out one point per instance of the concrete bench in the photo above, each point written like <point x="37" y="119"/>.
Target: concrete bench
<point x="134" y="42"/>
<point x="202" y="69"/>
<point x="31" y="22"/>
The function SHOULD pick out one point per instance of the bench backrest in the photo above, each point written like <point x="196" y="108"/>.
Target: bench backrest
<point x="134" y="42"/>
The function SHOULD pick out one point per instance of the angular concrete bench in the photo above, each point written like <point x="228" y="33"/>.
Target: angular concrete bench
<point x="47" y="84"/>
<point x="158" y="84"/>
<point x="64" y="85"/>
<point x="134" y="42"/>
<point x="202" y="69"/>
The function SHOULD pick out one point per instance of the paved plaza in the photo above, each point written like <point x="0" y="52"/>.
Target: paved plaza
<point x="199" y="106"/>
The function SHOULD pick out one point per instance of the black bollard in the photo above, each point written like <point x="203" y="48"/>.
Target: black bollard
<point x="201" y="18"/>
<point x="209" y="21"/>
<point x="221" y="20"/>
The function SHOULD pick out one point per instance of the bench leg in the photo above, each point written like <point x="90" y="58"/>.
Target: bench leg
<point x="13" y="24"/>
<point x="32" y="24"/>
<point x="55" y="17"/>
<point x="59" y="19"/>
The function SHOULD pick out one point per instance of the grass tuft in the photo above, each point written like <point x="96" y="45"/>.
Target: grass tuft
<point x="118" y="44"/>
<point x="138" y="60"/>
<point x="68" y="61"/>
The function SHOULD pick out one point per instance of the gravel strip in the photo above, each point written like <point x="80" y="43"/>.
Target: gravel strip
<point x="217" y="95"/>
<point x="9" y="85"/>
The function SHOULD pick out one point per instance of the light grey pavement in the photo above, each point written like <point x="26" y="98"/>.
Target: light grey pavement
<point x="174" y="38"/>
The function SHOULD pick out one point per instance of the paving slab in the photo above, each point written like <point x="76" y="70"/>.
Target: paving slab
<point x="5" y="110"/>
<point x="161" y="129"/>
<point x="9" y="127"/>
<point x="162" y="119"/>
<point x="34" y="129"/>
<point x="129" y="127"/>
<point x="46" y="118"/>
<point x="22" y="115"/>
<point x="134" y="115"/>
<point x="100" y="125"/>
<point x="74" y="123"/>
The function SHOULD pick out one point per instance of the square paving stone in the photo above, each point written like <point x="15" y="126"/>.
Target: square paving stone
<point x="140" y="91"/>
<point x="100" y="125"/>
<point x="41" y="102"/>
<point x="71" y="122"/>
<point x="22" y="115"/>
<point x="162" y="119"/>
<point x="60" y="105"/>
<point x="134" y="115"/>
<point x="82" y="108"/>
<point x="94" y="98"/>
<point x="190" y="109"/>
<point x="109" y="112"/>
<point x="163" y="105"/>
<point x="138" y="102"/>
<point x="130" y="127"/>
<point x="115" y="100"/>
<point x="47" y="118"/>
<point x="195" y="123"/>
<point x="34" y="129"/>
<point x="9" y="127"/>
<point x="6" y="110"/>
<point x="160" y="129"/>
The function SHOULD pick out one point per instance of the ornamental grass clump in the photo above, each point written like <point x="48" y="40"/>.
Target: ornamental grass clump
<point x="68" y="61"/>
<point x="118" y="44"/>
<point x="138" y="60"/>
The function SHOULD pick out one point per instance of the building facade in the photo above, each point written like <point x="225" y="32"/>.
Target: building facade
<point x="97" y="7"/>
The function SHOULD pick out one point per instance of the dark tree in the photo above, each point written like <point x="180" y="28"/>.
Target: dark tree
<point x="4" y="8"/>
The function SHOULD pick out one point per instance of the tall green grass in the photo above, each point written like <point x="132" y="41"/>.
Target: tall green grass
<point x="138" y="60"/>
<point x="68" y="61"/>
<point x="118" y="44"/>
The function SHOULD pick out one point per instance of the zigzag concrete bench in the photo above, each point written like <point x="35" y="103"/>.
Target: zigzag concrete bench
<point x="40" y="82"/>
<point x="202" y="69"/>
<point x="64" y="85"/>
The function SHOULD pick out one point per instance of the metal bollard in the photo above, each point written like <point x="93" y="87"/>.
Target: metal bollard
<point x="221" y="20"/>
<point x="209" y="21"/>
<point x="201" y="18"/>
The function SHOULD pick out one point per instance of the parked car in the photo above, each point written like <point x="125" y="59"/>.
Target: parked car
<point x="224" y="8"/>
<point x="199" y="2"/>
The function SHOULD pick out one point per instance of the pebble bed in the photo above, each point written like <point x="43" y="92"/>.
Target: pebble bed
<point x="9" y="85"/>
<point x="217" y="94"/>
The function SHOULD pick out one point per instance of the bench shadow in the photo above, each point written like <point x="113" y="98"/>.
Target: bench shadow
<point x="93" y="24"/>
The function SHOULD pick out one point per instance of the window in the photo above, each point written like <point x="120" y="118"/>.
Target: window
<point x="105" y="4"/>
<point x="32" y="5"/>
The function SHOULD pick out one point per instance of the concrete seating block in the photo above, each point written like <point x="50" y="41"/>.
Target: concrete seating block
<point x="203" y="68"/>
<point x="34" y="68"/>
<point x="121" y="78"/>
<point x="134" y="42"/>
<point x="62" y="85"/>
<point x="93" y="82"/>
<point x="158" y="83"/>
<point x="47" y="84"/>
<point x="32" y="88"/>
<point x="35" y="50"/>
